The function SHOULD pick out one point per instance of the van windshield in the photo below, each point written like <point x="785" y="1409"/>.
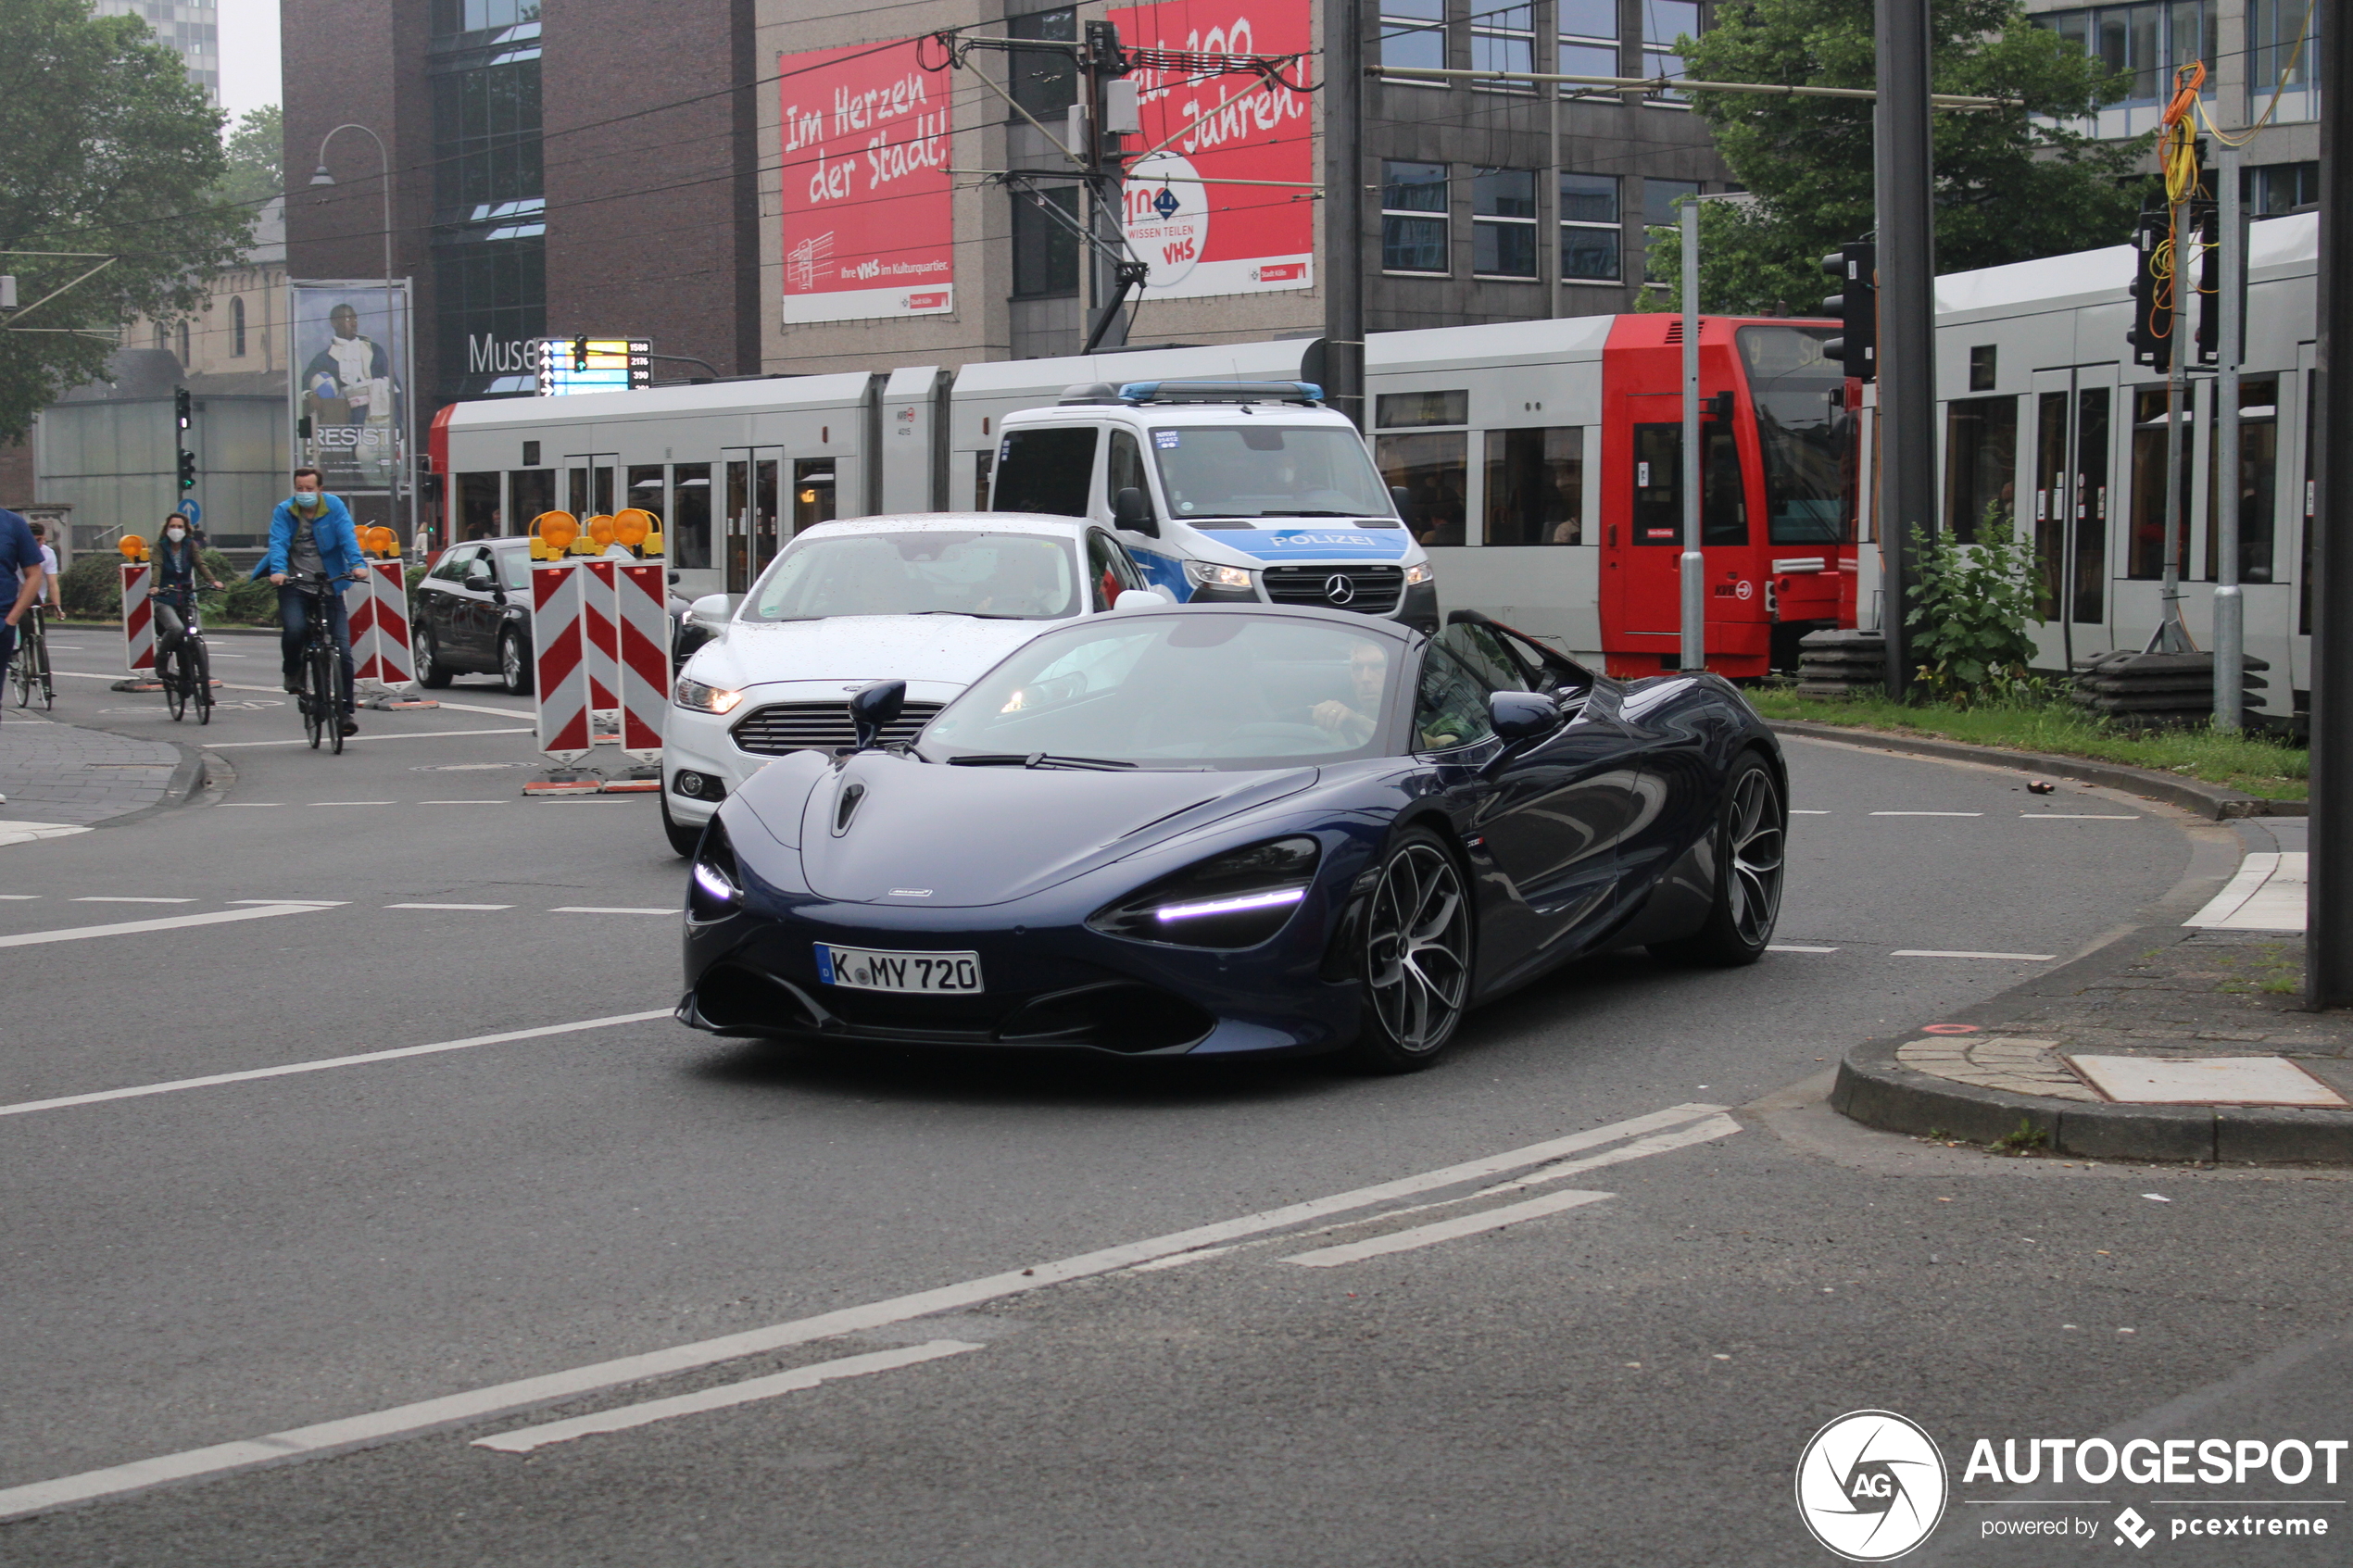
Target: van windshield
<point x="1229" y="475"/>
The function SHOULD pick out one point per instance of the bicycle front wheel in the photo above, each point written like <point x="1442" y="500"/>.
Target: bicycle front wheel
<point x="314" y="700"/>
<point x="48" y="685"/>
<point x="171" y="671"/>
<point x="200" y="667"/>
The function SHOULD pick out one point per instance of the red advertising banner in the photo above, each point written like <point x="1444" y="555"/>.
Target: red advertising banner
<point x="869" y="223"/>
<point x="1202" y="236"/>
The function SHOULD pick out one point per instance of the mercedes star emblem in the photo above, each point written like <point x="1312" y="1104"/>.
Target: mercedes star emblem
<point x="1339" y="587"/>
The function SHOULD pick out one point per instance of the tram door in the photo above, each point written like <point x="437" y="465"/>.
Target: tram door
<point x="1644" y="575"/>
<point x="588" y="490"/>
<point x="2074" y="412"/>
<point x="752" y="490"/>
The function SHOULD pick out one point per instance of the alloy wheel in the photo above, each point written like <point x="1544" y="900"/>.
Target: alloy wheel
<point x="1755" y="831"/>
<point x="1417" y="949"/>
<point x="511" y="669"/>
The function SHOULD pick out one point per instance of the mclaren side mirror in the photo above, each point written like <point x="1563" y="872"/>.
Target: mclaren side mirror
<point x="1519" y="716"/>
<point x="1404" y="501"/>
<point x="872" y="707"/>
<point x="1132" y="509"/>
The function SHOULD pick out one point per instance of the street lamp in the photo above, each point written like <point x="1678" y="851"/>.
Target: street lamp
<point x="321" y="179"/>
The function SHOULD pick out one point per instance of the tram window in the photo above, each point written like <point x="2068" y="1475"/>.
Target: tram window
<point x="1046" y="469"/>
<point x="1981" y="367"/>
<point x="2091" y="504"/>
<point x="2050" y="502"/>
<point x="529" y="492"/>
<point x="2145" y="555"/>
<point x="1805" y="436"/>
<point x="984" y="464"/>
<point x="1395" y="410"/>
<point x="646" y="492"/>
<point x="1433" y="467"/>
<point x="2258" y="479"/>
<point x="1535" y="486"/>
<point x="1658" y="486"/>
<point x="688" y="534"/>
<point x="478" y="505"/>
<point x="813" y="493"/>
<point x="1981" y="465"/>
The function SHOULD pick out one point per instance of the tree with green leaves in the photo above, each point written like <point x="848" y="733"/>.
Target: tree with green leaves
<point x="256" y="149"/>
<point x="113" y="152"/>
<point x="2011" y="184"/>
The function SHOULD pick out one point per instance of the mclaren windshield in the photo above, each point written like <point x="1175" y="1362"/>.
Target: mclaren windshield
<point x="1200" y="689"/>
<point x="930" y="571"/>
<point x="1231" y="475"/>
<point x="1805" y="432"/>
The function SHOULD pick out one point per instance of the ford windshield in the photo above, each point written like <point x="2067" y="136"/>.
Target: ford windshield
<point x="995" y="576"/>
<point x="1231" y="476"/>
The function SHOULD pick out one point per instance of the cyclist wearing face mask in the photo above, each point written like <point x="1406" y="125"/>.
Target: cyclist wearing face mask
<point x="310" y="534"/>
<point x="179" y="562"/>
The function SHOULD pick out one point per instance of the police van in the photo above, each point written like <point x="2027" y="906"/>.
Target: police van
<point x="1225" y="492"/>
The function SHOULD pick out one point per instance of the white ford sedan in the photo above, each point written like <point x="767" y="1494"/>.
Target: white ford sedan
<point x="932" y="598"/>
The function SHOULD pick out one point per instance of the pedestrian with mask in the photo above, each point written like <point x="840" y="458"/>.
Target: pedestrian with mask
<point x="312" y="536"/>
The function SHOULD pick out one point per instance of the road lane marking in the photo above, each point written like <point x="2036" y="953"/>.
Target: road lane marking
<point x="1446" y="1230"/>
<point x="448" y="906"/>
<point x="140" y="1091"/>
<point x="1795" y="947"/>
<point x="1964" y="953"/>
<point x="355" y="803"/>
<point x="1796" y="812"/>
<point x="126" y="898"/>
<point x="17" y="898"/>
<point x="477" y="707"/>
<point x="524" y="1440"/>
<point x="2075" y="817"/>
<point x="504" y="1398"/>
<point x="162" y="923"/>
<point x="311" y="903"/>
<point x="461" y="802"/>
<point x="399" y="734"/>
<point x="605" y="909"/>
<point x="1927" y="813"/>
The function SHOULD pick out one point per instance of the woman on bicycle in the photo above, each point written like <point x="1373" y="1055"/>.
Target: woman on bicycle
<point x="178" y="561"/>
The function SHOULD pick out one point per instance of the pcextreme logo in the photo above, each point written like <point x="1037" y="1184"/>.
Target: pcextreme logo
<point x="1870" y="1486"/>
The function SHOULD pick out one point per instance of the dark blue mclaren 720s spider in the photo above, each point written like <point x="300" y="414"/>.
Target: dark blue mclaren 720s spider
<point x="1229" y="829"/>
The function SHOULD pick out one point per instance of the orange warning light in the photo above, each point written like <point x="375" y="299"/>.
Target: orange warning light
<point x="133" y="548"/>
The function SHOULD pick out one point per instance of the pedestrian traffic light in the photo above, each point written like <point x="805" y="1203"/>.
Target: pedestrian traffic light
<point x="2151" y="333"/>
<point x="580" y="353"/>
<point x="182" y="407"/>
<point x="187" y="471"/>
<point x="1856" y="306"/>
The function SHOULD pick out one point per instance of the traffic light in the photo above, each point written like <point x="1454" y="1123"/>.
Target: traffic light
<point x="1856" y="306"/>
<point x="187" y="471"/>
<point x="182" y="407"/>
<point x="2206" y="229"/>
<point x="2151" y="333"/>
<point x="580" y="353"/>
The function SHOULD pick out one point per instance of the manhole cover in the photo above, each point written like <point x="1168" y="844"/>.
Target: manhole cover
<point x="2205" y="1080"/>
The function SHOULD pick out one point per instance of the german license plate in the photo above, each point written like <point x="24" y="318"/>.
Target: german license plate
<point x="868" y="969"/>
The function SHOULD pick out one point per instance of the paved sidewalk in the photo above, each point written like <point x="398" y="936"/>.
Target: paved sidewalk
<point x="2188" y="1043"/>
<point x="63" y="776"/>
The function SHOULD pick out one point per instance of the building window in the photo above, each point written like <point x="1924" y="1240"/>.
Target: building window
<point x="1662" y="213"/>
<point x="452" y="16"/>
<point x="1503" y="222"/>
<point x="237" y="327"/>
<point x="486" y="141"/>
<point x="1045" y="82"/>
<point x="1431" y="466"/>
<point x="2273" y="62"/>
<point x="1535" y="486"/>
<point x="1413" y="32"/>
<point x="1590" y="237"/>
<point x="2144" y="43"/>
<point x="163" y="339"/>
<point x="1588" y="41"/>
<point x="1504" y="39"/>
<point x="2278" y="188"/>
<point x="1046" y="246"/>
<point x="488" y="293"/>
<point x="183" y="343"/>
<point x="1663" y="22"/>
<point x="1412" y="221"/>
<point x="1981" y="464"/>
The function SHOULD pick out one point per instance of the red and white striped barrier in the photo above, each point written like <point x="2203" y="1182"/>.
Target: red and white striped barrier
<point x="139" y="615"/>
<point x="560" y="659"/>
<point x="377" y="605"/>
<point x="644" y="625"/>
<point x="600" y="634"/>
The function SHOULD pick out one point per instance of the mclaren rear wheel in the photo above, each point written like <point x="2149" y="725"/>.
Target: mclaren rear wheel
<point x="1751" y="830"/>
<point x="1416" y="952"/>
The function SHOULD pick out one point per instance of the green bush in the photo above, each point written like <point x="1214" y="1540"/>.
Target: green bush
<point x="92" y="587"/>
<point x="1970" y="613"/>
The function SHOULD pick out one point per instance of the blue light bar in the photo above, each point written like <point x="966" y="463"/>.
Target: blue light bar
<point x="1221" y="391"/>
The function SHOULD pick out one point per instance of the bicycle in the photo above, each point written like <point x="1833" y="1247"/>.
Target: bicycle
<point x="185" y="665"/>
<point x="30" y="668"/>
<point x="325" y="693"/>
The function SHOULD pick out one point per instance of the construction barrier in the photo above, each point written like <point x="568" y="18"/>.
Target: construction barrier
<point x="560" y="689"/>
<point x="600" y="631"/>
<point x="644" y="625"/>
<point x="599" y="603"/>
<point x="377" y="605"/>
<point x="139" y="615"/>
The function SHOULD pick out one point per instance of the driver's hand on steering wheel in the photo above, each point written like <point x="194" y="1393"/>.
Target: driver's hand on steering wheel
<point x="1342" y="720"/>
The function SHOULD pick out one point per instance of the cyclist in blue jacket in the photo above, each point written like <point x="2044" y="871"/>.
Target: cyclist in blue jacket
<point x="311" y="534"/>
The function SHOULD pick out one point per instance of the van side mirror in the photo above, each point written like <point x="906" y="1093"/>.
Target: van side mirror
<point x="1404" y="501"/>
<point x="874" y="706"/>
<point x="1132" y="509"/>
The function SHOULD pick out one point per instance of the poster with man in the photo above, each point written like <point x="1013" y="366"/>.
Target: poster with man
<point x="350" y="381"/>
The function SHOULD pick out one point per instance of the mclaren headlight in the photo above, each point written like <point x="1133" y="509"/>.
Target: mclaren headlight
<point x="704" y="699"/>
<point x="1237" y="899"/>
<point x="715" y="886"/>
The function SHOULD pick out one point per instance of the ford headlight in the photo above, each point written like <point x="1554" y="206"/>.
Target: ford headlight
<point x="1418" y="573"/>
<point x="1202" y="574"/>
<point x="1237" y="899"/>
<point x="700" y="698"/>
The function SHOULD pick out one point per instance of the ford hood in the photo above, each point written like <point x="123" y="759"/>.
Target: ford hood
<point x="946" y="649"/>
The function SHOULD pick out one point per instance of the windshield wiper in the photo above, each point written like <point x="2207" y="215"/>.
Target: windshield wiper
<point x="1034" y="760"/>
<point x="1312" y="514"/>
<point x="972" y="614"/>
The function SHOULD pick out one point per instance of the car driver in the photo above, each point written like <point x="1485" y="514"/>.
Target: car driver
<point x="1352" y="722"/>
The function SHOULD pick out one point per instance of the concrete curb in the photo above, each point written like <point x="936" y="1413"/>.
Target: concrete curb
<point x="189" y="777"/>
<point x="2211" y="801"/>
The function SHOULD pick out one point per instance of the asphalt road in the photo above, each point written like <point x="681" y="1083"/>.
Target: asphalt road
<point x="1627" y="1377"/>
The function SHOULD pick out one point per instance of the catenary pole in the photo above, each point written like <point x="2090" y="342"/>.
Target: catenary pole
<point x="1344" y="99"/>
<point x="2229" y="603"/>
<point x="2329" y="941"/>
<point x="1901" y="171"/>
<point x="1693" y="564"/>
<point x="2172" y="636"/>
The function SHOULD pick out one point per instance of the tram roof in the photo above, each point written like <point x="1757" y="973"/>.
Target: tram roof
<point x="662" y="402"/>
<point x="2287" y="245"/>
